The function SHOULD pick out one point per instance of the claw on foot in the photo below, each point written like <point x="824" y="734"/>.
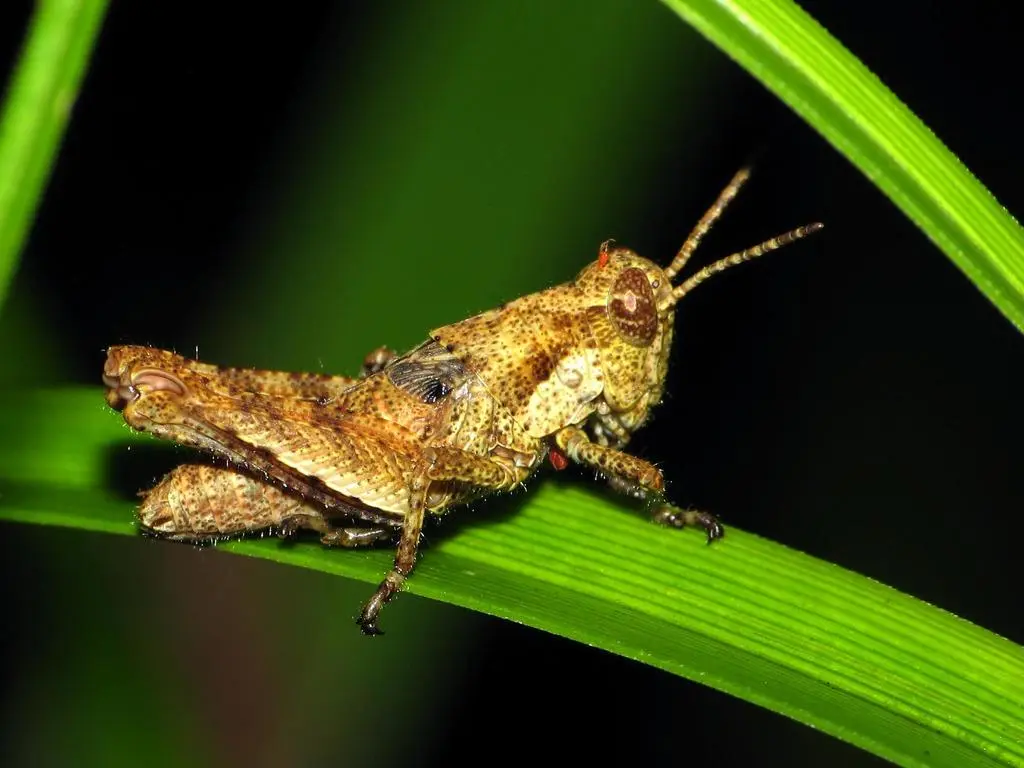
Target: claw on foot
<point x="288" y="529"/>
<point x="666" y="514"/>
<point x="367" y="620"/>
<point x="368" y="626"/>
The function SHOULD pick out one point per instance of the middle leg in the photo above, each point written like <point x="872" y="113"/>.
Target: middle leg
<point x="440" y="465"/>
<point x="405" y="556"/>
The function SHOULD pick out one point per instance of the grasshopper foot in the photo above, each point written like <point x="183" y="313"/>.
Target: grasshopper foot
<point x="355" y="536"/>
<point x="289" y="528"/>
<point x="367" y="620"/>
<point x="666" y="514"/>
<point x="377" y="361"/>
<point x="367" y="625"/>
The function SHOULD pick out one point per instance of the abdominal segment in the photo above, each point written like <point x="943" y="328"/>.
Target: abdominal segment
<point x="198" y="502"/>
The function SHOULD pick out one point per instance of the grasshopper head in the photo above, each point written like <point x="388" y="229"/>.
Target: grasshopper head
<point x="631" y="303"/>
<point x="631" y="311"/>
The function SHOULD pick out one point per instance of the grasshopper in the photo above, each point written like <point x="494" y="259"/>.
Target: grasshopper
<point x="566" y="374"/>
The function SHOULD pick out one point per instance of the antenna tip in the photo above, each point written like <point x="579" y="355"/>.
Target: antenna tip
<point x="817" y="226"/>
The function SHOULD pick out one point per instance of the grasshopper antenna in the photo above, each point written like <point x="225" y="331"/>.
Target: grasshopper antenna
<point x="738" y="258"/>
<point x="706" y="221"/>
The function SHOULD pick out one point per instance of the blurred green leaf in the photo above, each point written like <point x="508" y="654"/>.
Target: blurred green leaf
<point x="36" y="108"/>
<point x="797" y="59"/>
<point x="805" y="638"/>
<point x="463" y="170"/>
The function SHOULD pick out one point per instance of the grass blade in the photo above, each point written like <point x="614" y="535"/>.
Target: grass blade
<point x="800" y="636"/>
<point x="37" y="107"/>
<point x="798" y="60"/>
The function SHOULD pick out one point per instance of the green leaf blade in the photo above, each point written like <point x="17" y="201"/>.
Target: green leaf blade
<point x="797" y="59"/>
<point x="776" y="627"/>
<point x="36" y="109"/>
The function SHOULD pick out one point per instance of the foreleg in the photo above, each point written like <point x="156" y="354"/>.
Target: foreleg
<point x="634" y="477"/>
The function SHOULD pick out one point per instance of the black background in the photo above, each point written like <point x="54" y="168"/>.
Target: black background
<point x="870" y="361"/>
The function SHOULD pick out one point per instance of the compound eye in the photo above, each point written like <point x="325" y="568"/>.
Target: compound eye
<point x="633" y="309"/>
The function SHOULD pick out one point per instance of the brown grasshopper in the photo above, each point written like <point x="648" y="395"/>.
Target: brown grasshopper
<point x="567" y="373"/>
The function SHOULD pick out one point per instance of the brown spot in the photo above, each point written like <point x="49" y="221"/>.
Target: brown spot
<point x="561" y="322"/>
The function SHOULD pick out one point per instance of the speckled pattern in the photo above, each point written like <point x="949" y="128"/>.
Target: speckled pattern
<point x="556" y="357"/>
<point x="197" y="501"/>
<point x="569" y="372"/>
<point x="205" y="503"/>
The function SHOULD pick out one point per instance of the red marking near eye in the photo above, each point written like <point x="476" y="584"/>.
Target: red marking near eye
<point x="558" y="459"/>
<point x="604" y="253"/>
